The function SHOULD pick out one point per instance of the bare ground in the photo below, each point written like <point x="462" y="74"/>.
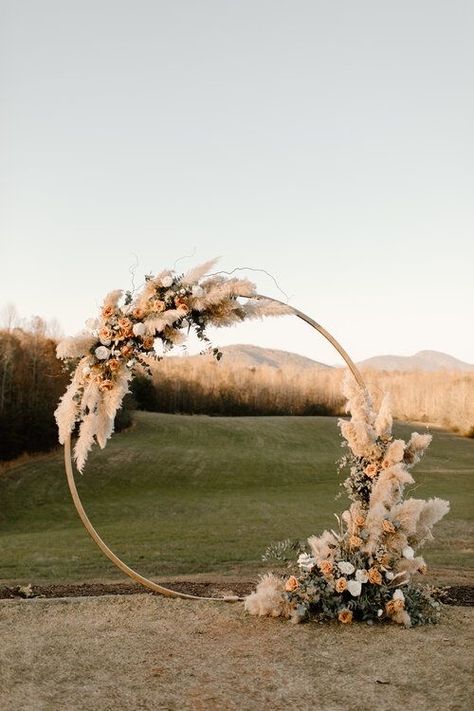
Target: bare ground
<point x="147" y="652"/>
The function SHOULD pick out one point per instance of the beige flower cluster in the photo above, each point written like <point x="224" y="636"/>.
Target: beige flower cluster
<point x="359" y="571"/>
<point x="119" y="341"/>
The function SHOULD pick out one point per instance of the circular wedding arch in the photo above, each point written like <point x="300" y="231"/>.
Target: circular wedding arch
<point x="118" y="562"/>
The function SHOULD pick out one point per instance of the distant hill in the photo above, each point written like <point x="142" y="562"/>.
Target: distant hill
<point x="251" y="356"/>
<point x="428" y="361"/>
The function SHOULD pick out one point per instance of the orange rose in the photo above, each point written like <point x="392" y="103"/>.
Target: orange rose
<point x="126" y="350"/>
<point x="326" y="567"/>
<point x="125" y="328"/>
<point x="341" y="585"/>
<point x="388" y="526"/>
<point x="355" y="542"/>
<point x="291" y="584"/>
<point x="148" y="342"/>
<point x="394" y="606"/>
<point x="113" y="364"/>
<point x="375" y="576"/>
<point x="345" y="616"/>
<point x="182" y="306"/>
<point x="107" y="311"/>
<point x="157" y="305"/>
<point x="359" y="520"/>
<point x="371" y="470"/>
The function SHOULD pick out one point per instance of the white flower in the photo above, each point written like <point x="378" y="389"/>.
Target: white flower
<point x="345" y="567"/>
<point x="86" y="369"/>
<point x="354" y="587"/>
<point x="131" y="363"/>
<point x="398" y="595"/>
<point x="362" y="576"/>
<point x="306" y="562"/>
<point x="408" y="553"/>
<point x="102" y="353"/>
<point x="167" y="280"/>
<point x="389" y="575"/>
<point x="139" y="329"/>
<point x="379" y="613"/>
<point x="198" y="291"/>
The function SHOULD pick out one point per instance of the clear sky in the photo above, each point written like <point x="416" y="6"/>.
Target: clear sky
<point x="329" y="143"/>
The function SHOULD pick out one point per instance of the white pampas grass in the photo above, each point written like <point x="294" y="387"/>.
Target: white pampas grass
<point x="75" y="346"/>
<point x="112" y="298"/>
<point x="195" y="274"/>
<point x="268" y="598"/>
<point x="260" y="308"/>
<point x="323" y="546"/>
<point x="384" y="420"/>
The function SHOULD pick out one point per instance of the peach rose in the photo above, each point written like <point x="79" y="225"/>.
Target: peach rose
<point x="388" y="526"/>
<point x="345" y="616"/>
<point x="291" y="584"/>
<point x="157" y="305"/>
<point x="113" y="364"/>
<point x="341" y="585"/>
<point x="126" y="350"/>
<point x="359" y="520"/>
<point x="105" y="333"/>
<point x="355" y="542"/>
<point x="375" y="576"/>
<point x="107" y="311"/>
<point x="326" y="567"/>
<point x="386" y="463"/>
<point x="371" y="470"/>
<point x="139" y="313"/>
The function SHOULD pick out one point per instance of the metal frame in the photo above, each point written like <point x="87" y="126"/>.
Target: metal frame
<point x="137" y="577"/>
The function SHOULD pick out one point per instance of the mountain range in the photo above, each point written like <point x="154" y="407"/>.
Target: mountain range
<point x="428" y="361"/>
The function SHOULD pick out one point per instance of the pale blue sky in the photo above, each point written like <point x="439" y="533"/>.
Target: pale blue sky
<point x="329" y="143"/>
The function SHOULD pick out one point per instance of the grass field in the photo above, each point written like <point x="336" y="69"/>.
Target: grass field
<point x="179" y="495"/>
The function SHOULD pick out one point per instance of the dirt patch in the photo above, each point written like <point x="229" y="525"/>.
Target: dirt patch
<point x="449" y="594"/>
<point x="149" y="652"/>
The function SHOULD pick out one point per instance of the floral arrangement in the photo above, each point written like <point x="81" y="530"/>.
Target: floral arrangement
<point x="364" y="570"/>
<point x="107" y="355"/>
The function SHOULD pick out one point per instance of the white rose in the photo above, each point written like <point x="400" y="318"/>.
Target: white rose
<point x="354" y="587"/>
<point x="408" y="553"/>
<point x="139" y="329"/>
<point x="362" y="576"/>
<point x="198" y="291"/>
<point x="306" y="562"/>
<point x="102" y="353"/>
<point x="167" y="281"/>
<point x="345" y="567"/>
<point x="398" y="595"/>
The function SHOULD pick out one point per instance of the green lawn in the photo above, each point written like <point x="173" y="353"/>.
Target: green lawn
<point x="176" y="495"/>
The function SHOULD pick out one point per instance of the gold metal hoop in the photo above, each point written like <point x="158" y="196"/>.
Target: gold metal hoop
<point x="150" y="584"/>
